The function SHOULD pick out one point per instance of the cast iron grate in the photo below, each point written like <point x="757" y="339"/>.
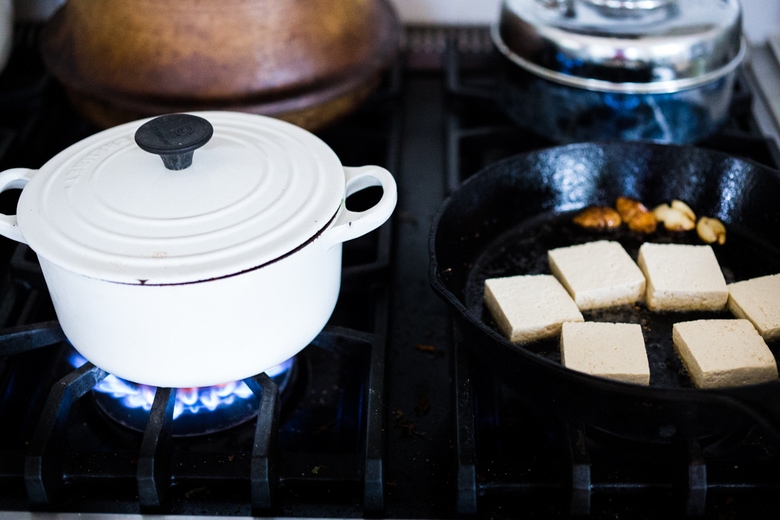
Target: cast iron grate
<point x="66" y="449"/>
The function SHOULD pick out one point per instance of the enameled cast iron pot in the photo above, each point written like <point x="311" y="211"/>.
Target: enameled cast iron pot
<point x="193" y="271"/>
<point x="504" y="219"/>
<point x="654" y="70"/>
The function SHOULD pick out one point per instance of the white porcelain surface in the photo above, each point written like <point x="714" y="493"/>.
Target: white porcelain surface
<point x="199" y="334"/>
<point x="256" y="191"/>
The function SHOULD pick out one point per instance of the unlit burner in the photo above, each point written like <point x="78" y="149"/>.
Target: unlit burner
<point x="197" y="411"/>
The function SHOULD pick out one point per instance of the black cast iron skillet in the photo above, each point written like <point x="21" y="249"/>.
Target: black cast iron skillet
<point x="504" y="219"/>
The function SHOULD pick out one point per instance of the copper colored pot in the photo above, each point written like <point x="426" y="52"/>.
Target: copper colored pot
<point x="306" y="62"/>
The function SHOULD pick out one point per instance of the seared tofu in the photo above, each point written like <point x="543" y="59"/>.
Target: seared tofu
<point x="529" y="307"/>
<point x="611" y="350"/>
<point x="758" y="300"/>
<point x="682" y="278"/>
<point x="598" y="274"/>
<point x="723" y="353"/>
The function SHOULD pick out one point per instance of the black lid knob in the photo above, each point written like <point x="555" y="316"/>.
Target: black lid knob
<point x="174" y="137"/>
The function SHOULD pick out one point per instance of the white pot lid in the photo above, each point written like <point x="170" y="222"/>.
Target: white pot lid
<point x="257" y="190"/>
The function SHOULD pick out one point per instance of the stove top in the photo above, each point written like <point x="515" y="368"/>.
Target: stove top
<point x="386" y="415"/>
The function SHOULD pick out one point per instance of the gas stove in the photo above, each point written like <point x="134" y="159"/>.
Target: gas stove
<point x="385" y="414"/>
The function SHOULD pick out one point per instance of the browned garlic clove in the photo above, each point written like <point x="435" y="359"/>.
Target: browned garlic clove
<point x="636" y="215"/>
<point x="675" y="217"/>
<point x="598" y="217"/>
<point x="684" y="208"/>
<point x="711" y="230"/>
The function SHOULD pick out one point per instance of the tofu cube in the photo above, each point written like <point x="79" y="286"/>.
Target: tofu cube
<point x="758" y="300"/>
<point x="529" y="307"/>
<point x="611" y="350"/>
<point x="682" y="278"/>
<point x="723" y="353"/>
<point x="597" y="274"/>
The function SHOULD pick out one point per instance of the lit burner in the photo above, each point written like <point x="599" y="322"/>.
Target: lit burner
<point x="197" y="411"/>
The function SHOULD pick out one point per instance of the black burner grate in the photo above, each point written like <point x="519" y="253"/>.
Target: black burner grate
<point x="329" y="437"/>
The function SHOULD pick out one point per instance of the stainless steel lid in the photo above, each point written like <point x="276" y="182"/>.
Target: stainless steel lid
<point x="638" y="46"/>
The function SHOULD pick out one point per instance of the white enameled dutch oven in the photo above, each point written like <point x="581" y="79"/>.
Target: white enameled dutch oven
<point x="193" y="271"/>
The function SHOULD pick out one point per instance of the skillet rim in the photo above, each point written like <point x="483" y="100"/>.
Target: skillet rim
<point x="462" y="313"/>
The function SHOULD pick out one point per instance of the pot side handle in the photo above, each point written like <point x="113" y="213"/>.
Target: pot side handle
<point x="13" y="179"/>
<point x="352" y="224"/>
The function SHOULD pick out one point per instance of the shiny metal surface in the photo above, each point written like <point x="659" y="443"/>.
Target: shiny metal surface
<point x="613" y="47"/>
<point x="631" y="4"/>
<point x="764" y="73"/>
<point x="90" y="516"/>
<point x="23" y="515"/>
